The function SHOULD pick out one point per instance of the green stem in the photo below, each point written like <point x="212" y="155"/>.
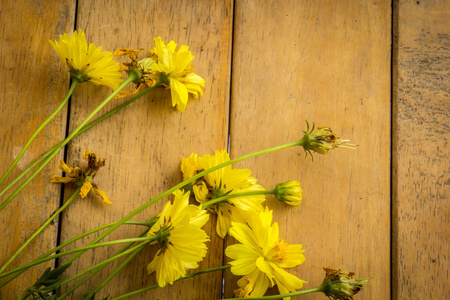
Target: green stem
<point x="182" y="184"/>
<point x="3" y="283"/>
<point x="16" y="161"/>
<point x="81" y="249"/>
<point x="303" y="292"/>
<point x="90" y="125"/>
<point x="130" y="78"/>
<point x="40" y="229"/>
<point x="98" y="269"/>
<point x="181" y="278"/>
<point x="223" y="198"/>
<point x="105" y="262"/>
<point x="117" y="270"/>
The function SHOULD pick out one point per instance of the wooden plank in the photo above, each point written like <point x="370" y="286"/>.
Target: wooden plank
<point x="327" y="62"/>
<point x="420" y="150"/>
<point x="33" y="83"/>
<point x="146" y="141"/>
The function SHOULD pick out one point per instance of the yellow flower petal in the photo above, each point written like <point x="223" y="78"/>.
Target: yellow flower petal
<point x="179" y="94"/>
<point x="59" y="179"/>
<point x="102" y="194"/>
<point x="65" y="168"/>
<point x="85" y="189"/>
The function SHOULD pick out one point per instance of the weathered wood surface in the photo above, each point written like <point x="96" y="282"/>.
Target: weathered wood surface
<point x="294" y="62"/>
<point x="33" y="83"/>
<point x="327" y="62"/>
<point x="421" y="112"/>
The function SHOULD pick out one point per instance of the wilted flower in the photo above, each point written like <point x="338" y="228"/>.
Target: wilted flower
<point x="289" y="192"/>
<point x="87" y="63"/>
<point x="262" y="256"/>
<point x="340" y="285"/>
<point x="180" y="238"/>
<point x="83" y="178"/>
<point x="323" y="140"/>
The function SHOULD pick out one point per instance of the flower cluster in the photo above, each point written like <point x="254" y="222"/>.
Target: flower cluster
<point x="222" y="182"/>
<point x="169" y="67"/>
<point x="83" y="178"/>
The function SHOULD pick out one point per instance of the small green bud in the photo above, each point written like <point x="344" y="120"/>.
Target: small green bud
<point x="289" y="192"/>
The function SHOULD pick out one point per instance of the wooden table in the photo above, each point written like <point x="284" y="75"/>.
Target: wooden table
<point x="376" y="73"/>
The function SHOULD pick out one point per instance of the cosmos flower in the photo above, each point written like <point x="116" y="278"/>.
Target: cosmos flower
<point x="87" y="63"/>
<point x="169" y="67"/>
<point x="180" y="237"/>
<point x="262" y="257"/>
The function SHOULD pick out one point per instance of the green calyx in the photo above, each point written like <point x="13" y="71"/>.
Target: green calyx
<point x="136" y="73"/>
<point x="164" y="79"/>
<point x="162" y="237"/>
<point x="78" y="76"/>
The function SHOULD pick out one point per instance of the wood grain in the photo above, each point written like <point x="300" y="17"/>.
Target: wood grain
<point x="33" y="83"/>
<point x="327" y="62"/>
<point x="421" y="211"/>
<point x="146" y="141"/>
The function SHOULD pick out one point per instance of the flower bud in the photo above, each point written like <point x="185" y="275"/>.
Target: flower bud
<point x="289" y="192"/>
<point x="340" y="285"/>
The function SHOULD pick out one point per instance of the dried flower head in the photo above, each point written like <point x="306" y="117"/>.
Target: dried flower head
<point x="83" y="178"/>
<point x="323" y="140"/>
<point x="340" y="285"/>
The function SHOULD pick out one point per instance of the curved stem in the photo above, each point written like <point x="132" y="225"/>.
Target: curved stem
<point x="86" y="127"/>
<point x="179" y="279"/>
<point x="39" y="230"/>
<point x="25" y="147"/>
<point x="223" y="198"/>
<point x="98" y="269"/>
<point x="303" y="292"/>
<point x="3" y="283"/>
<point x="180" y="185"/>
<point x="81" y="249"/>
<point x="130" y="78"/>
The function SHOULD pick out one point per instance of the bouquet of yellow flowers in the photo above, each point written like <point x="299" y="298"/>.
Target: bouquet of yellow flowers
<point x="212" y="190"/>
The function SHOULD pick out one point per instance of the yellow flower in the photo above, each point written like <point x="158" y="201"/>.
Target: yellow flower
<point x="87" y="63"/>
<point x="289" y="192"/>
<point x="227" y="181"/>
<point x="262" y="256"/>
<point x="180" y="237"/>
<point x="83" y="178"/>
<point x="173" y="68"/>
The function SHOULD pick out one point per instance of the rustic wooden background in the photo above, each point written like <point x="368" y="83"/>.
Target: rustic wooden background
<point x="376" y="72"/>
